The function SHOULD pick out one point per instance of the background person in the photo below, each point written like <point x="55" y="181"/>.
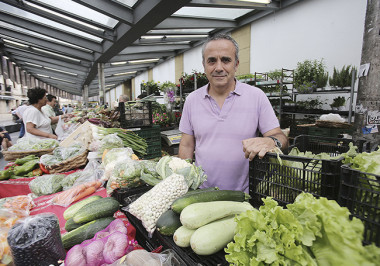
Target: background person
<point x="123" y="98"/>
<point x="5" y="139"/>
<point x="19" y="112"/>
<point x="37" y="124"/>
<point x="220" y="121"/>
<point x="48" y="110"/>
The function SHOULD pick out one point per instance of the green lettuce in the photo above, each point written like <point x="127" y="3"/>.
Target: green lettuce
<point x="310" y="232"/>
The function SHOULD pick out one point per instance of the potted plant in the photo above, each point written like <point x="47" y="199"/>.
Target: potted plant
<point x="187" y="81"/>
<point x="338" y="103"/>
<point x="342" y="78"/>
<point x="308" y="72"/>
<point x="150" y="87"/>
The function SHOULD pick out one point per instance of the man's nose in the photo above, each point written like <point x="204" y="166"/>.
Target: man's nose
<point x="219" y="66"/>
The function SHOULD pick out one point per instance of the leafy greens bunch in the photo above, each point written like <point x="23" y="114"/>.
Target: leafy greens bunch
<point x="310" y="232"/>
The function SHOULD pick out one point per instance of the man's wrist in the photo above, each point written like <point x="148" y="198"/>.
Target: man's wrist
<point x="277" y="142"/>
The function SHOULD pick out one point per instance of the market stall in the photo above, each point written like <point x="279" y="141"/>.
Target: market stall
<point x="106" y="196"/>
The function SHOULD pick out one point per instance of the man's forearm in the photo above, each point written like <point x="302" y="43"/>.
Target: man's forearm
<point x="185" y="152"/>
<point x="284" y="140"/>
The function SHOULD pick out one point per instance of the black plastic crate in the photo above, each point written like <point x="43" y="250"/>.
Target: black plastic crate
<point x="122" y="193"/>
<point x="188" y="255"/>
<point x="283" y="182"/>
<point x="153" y="150"/>
<point x="135" y="115"/>
<point x="317" y="144"/>
<point x="142" y="237"/>
<point x="360" y="193"/>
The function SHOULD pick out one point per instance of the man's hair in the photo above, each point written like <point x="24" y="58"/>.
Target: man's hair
<point x="221" y="36"/>
<point x="124" y="98"/>
<point x="50" y="97"/>
<point x="36" y="94"/>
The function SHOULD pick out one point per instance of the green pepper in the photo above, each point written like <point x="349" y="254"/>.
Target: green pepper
<point x="25" y="168"/>
<point x="21" y="161"/>
<point x="5" y="174"/>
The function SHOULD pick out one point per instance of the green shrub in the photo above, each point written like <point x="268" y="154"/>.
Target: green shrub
<point x="309" y="71"/>
<point x="342" y="78"/>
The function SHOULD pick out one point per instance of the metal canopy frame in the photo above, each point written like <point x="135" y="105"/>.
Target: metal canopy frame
<point x="67" y="51"/>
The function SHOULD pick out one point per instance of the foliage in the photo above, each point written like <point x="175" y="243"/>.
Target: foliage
<point x="161" y="115"/>
<point x="307" y="87"/>
<point x="308" y="71"/>
<point x="338" y="101"/>
<point x="150" y="87"/>
<point x="343" y="77"/>
<point x="161" y="119"/>
<point x="167" y="85"/>
<point x="245" y="76"/>
<point x="187" y="80"/>
<point x="312" y="103"/>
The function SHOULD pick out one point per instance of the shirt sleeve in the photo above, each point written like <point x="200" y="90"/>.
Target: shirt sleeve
<point x="31" y="116"/>
<point x="267" y="116"/>
<point x="45" y="111"/>
<point x="185" y="123"/>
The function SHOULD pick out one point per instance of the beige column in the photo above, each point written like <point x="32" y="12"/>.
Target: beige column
<point x="243" y="38"/>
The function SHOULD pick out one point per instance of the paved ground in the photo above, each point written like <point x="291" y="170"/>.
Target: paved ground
<point x="14" y="137"/>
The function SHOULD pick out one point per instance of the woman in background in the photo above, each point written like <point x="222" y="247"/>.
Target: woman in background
<point x="37" y="124"/>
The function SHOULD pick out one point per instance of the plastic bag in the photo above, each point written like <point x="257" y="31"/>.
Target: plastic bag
<point x="109" y="142"/>
<point x="75" y="193"/>
<point x="61" y="154"/>
<point x="36" y="239"/>
<point x="59" y="129"/>
<point x="92" y="172"/>
<point x="125" y="175"/>
<point x="141" y="257"/>
<point x="46" y="184"/>
<point x="106" y="246"/>
<point x="114" y="157"/>
<point x="70" y="179"/>
<point x="148" y="173"/>
<point x="32" y="144"/>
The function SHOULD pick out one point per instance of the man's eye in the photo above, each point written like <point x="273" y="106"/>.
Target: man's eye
<point x="226" y="60"/>
<point x="211" y="60"/>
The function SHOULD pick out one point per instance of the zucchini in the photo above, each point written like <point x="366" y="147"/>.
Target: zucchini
<point x="199" y="214"/>
<point x="212" y="237"/>
<point x="70" y="211"/>
<point x="84" y="232"/>
<point x="190" y="192"/>
<point x="168" y="223"/>
<point x="206" y="196"/>
<point x="97" y="209"/>
<point x="182" y="236"/>
<point x="71" y="225"/>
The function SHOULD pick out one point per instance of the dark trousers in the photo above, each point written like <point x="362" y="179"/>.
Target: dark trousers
<point x="22" y="130"/>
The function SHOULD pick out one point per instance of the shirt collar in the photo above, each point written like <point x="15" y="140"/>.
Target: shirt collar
<point x="237" y="91"/>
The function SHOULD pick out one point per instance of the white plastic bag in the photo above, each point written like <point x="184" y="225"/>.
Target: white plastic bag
<point x="59" y="129"/>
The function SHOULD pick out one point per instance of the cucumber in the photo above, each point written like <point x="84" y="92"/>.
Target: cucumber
<point x="201" y="213"/>
<point x="97" y="209"/>
<point x="212" y="237"/>
<point x="71" y="225"/>
<point x="168" y="223"/>
<point x="191" y="192"/>
<point x="182" y="236"/>
<point x="84" y="232"/>
<point x="70" y="211"/>
<point x="205" y="196"/>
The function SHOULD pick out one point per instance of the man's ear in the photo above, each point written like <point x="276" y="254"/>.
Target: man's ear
<point x="237" y="64"/>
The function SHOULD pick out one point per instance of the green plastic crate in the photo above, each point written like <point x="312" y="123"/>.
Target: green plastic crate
<point x="150" y="134"/>
<point x="153" y="150"/>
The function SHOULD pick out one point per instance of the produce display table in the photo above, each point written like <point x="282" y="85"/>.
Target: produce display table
<point x="17" y="187"/>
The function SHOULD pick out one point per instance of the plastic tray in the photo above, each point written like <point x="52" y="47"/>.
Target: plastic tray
<point x="122" y="194"/>
<point x="267" y="177"/>
<point x="360" y="193"/>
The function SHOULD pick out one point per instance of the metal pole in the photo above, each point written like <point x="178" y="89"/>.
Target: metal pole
<point x="351" y="96"/>
<point x="102" y="83"/>
<point x="85" y="96"/>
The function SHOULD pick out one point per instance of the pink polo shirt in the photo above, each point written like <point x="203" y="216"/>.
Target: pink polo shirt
<point x="219" y="132"/>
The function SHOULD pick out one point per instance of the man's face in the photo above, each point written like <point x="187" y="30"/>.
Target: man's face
<point x="219" y="63"/>
<point x="52" y="103"/>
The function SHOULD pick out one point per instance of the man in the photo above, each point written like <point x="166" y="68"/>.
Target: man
<point x="19" y="112"/>
<point x="123" y="98"/>
<point x="48" y="109"/>
<point x="220" y="120"/>
<point x="69" y="109"/>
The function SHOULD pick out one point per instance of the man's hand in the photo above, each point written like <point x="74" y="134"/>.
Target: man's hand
<point x="257" y="146"/>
